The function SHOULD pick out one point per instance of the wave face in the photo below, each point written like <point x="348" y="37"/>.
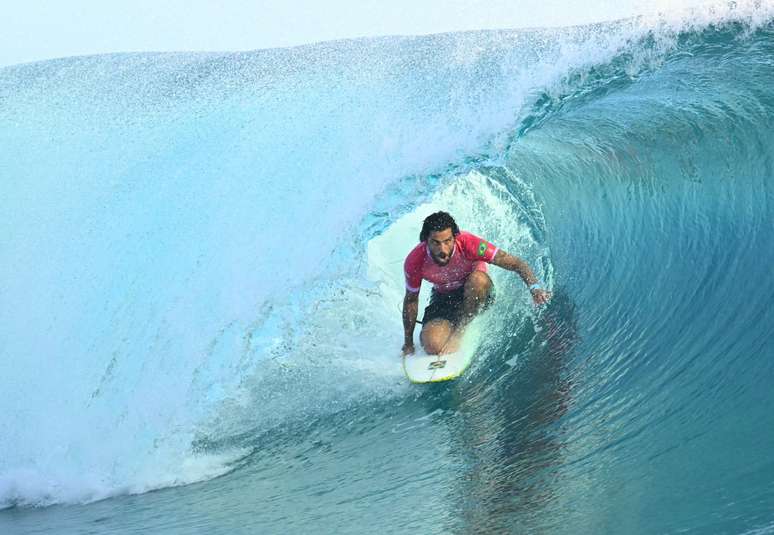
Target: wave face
<point x="201" y="275"/>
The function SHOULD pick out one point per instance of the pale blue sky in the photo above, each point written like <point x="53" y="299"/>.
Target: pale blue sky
<point x="36" y="29"/>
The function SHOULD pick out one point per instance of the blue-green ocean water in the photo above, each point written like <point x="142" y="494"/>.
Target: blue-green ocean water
<point x="198" y="333"/>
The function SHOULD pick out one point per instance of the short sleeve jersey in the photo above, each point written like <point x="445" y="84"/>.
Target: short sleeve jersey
<point x="470" y="253"/>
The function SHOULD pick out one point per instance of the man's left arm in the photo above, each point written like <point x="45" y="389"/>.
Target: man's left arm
<point x="514" y="263"/>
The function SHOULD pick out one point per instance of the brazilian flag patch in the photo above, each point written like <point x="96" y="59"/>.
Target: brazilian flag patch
<point x="482" y="248"/>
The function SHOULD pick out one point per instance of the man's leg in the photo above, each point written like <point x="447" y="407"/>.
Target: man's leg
<point x="439" y="336"/>
<point x="478" y="286"/>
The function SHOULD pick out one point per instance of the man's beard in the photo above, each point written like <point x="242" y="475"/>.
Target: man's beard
<point x="438" y="260"/>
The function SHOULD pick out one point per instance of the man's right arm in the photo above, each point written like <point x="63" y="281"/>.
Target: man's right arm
<point x="410" y="308"/>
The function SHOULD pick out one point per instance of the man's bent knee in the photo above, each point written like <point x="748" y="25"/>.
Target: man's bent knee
<point x="479" y="282"/>
<point x="435" y="335"/>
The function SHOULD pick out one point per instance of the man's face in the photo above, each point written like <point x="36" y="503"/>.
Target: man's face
<point x="441" y="245"/>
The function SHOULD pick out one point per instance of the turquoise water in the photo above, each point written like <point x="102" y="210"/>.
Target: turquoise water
<point x="201" y="276"/>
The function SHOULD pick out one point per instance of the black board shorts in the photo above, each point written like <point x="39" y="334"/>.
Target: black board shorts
<point x="448" y="305"/>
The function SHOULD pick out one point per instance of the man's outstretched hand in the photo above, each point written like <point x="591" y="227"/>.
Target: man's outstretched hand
<point x="540" y="296"/>
<point x="407" y="349"/>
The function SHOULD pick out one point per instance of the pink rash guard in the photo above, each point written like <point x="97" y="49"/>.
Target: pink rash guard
<point x="470" y="253"/>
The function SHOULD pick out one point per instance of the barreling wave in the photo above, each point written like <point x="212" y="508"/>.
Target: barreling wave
<point x="202" y="261"/>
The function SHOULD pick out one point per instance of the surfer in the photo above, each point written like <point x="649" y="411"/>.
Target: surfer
<point x="455" y="262"/>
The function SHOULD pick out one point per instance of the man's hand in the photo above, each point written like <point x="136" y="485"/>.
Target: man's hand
<point x="410" y="304"/>
<point x="540" y="296"/>
<point x="514" y="263"/>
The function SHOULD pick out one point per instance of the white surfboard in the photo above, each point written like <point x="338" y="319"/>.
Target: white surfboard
<point x="423" y="368"/>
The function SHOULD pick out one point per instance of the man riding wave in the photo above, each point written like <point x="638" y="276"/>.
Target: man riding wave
<point x="455" y="262"/>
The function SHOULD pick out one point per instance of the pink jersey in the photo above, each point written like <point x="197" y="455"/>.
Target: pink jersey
<point x="470" y="253"/>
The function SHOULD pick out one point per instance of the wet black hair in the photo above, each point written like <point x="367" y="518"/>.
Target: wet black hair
<point x="437" y="222"/>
